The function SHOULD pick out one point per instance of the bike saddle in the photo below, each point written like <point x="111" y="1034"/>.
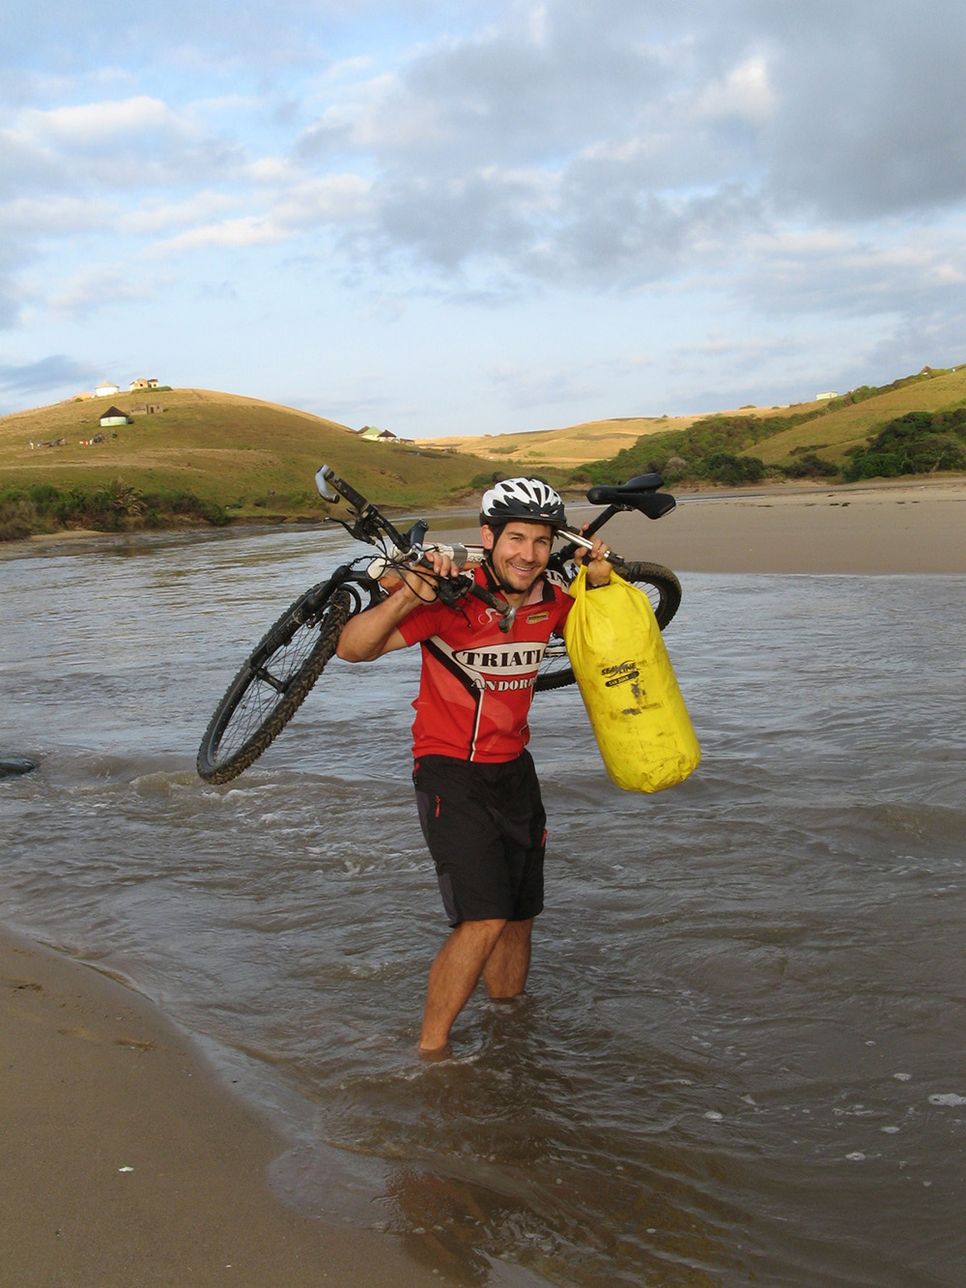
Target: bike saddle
<point x="639" y="493"/>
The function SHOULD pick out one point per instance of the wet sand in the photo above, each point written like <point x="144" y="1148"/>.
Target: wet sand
<point x="864" y="528"/>
<point x="126" y="1162"/>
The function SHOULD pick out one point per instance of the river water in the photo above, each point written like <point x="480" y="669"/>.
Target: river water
<point x="741" y="1059"/>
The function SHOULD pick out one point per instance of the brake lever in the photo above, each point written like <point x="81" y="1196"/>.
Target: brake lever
<point x="451" y="590"/>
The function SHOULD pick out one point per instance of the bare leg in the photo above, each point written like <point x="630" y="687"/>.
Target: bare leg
<point x="505" y="972"/>
<point x="453" y="976"/>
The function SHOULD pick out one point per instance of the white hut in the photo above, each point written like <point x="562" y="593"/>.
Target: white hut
<point x="114" y="416"/>
<point x="106" y="390"/>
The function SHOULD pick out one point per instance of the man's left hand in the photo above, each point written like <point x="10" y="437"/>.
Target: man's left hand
<point x="598" y="569"/>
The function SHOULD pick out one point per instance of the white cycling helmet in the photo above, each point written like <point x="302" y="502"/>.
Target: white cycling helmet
<point x="531" y="500"/>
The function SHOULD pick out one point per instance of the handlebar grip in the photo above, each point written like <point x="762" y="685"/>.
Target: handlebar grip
<point x="457" y="552"/>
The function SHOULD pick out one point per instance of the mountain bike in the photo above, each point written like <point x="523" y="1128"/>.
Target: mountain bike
<point x="279" y="673"/>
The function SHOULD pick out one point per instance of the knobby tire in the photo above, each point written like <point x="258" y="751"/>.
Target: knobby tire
<point x="663" y="591"/>
<point x="273" y="683"/>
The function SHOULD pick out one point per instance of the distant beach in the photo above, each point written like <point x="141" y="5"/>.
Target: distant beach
<point x="904" y="526"/>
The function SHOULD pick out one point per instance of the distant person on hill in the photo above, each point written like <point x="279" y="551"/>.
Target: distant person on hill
<point x="476" y="788"/>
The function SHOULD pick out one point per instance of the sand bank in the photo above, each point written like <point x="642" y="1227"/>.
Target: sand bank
<point x="905" y="528"/>
<point x="124" y="1163"/>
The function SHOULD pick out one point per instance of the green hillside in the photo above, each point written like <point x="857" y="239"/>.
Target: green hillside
<point x="914" y="424"/>
<point x="847" y="425"/>
<point x="200" y="455"/>
<point x="250" y="456"/>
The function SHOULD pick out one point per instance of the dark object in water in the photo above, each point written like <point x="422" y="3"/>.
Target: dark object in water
<point x="13" y="765"/>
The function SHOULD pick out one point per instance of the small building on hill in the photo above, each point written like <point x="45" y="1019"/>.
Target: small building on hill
<point x="114" y="416"/>
<point x="106" y="389"/>
<point x="141" y="382"/>
<point x="372" y="434"/>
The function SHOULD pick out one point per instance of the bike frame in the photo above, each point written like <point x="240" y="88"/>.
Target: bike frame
<point x="281" y="670"/>
<point x="363" y="521"/>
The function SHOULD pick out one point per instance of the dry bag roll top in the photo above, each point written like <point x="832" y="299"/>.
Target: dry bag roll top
<point x="630" y="691"/>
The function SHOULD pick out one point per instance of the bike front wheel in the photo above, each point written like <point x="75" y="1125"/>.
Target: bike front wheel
<point x="273" y="683"/>
<point x="663" y="591"/>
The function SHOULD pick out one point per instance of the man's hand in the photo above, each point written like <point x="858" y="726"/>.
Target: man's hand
<point x="420" y="582"/>
<point x="369" y="635"/>
<point x="598" y="568"/>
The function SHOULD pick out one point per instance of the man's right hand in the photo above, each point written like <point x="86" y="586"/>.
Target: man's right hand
<point x="421" y="581"/>
<point x="369" y="635"/>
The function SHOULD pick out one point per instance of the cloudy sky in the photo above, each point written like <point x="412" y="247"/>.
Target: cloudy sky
<point x="457" y="217"/>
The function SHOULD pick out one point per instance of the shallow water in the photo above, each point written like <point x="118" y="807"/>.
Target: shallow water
<point x="742" y="1055"/>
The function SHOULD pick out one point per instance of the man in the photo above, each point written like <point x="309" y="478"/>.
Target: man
<point x="476" y="788"/>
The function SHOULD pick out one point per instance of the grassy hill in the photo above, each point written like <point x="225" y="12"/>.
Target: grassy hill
<point x="916" y="423"/>
<point x="591" y="440"/>
<point x="848" y="425"/>
<point x="250" y="456"/>
<point x="205" y="455"/>
<point x="829" y="429"/>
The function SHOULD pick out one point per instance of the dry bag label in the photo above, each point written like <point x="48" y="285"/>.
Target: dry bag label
<point x="621" y="673"/>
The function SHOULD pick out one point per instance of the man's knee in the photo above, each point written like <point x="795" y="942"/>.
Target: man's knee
<point x="485" y="928"/>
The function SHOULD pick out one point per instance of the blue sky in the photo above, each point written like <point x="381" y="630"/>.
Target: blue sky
<point x="475" y="218"/>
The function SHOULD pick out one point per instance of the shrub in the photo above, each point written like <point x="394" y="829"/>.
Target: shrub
<point x="919" y="442"/>
<point x="810" y="466"/>
<point x="723" y="467"/>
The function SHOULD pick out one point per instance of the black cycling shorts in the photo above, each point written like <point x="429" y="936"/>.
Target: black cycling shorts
<point x="486" y="830"/>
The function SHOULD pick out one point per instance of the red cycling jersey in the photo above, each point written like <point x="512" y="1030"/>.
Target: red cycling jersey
<point x="476" y="684"/>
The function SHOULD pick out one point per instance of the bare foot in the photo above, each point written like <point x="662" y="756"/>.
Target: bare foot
<point x="434" y="1053"/>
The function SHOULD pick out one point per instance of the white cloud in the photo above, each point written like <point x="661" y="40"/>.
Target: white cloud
<point x="330" y="202"/>
<point x="36" y="217"/>
<point x="94" y="289"/>
<point x="151" y="216"/>
<point x="94" y="124"/>
<point x="744" y="93"/>
<point x="247" y="230"/>
<point x="784" y="165"/>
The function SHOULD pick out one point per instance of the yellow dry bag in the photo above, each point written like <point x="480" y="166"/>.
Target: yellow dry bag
<point x="639" y="718"/>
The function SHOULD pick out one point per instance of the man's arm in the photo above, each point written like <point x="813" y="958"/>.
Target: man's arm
<point x="369" y="635"/>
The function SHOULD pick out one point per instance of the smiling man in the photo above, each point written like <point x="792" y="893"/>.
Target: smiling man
<point x="476" y="788"/>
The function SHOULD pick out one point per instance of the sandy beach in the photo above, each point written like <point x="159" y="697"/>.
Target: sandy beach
<point x="865" y="528"/>
<point x="126" y="1162"/>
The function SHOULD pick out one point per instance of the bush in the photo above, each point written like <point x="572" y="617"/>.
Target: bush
<point x="920" y="442"/>
<point x="811" y="466"/>
<point x="116" y="507"/>
<point x="723" y="467"/>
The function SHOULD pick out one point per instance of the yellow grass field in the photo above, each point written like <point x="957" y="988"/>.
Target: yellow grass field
<point x="258" y="458"/>
<point x="591" y="440"/>
<point x="236" y="451"/>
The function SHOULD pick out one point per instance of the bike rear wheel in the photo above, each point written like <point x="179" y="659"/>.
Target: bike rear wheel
<point x="273" y="683"/>
<point x="663" y="591"/>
